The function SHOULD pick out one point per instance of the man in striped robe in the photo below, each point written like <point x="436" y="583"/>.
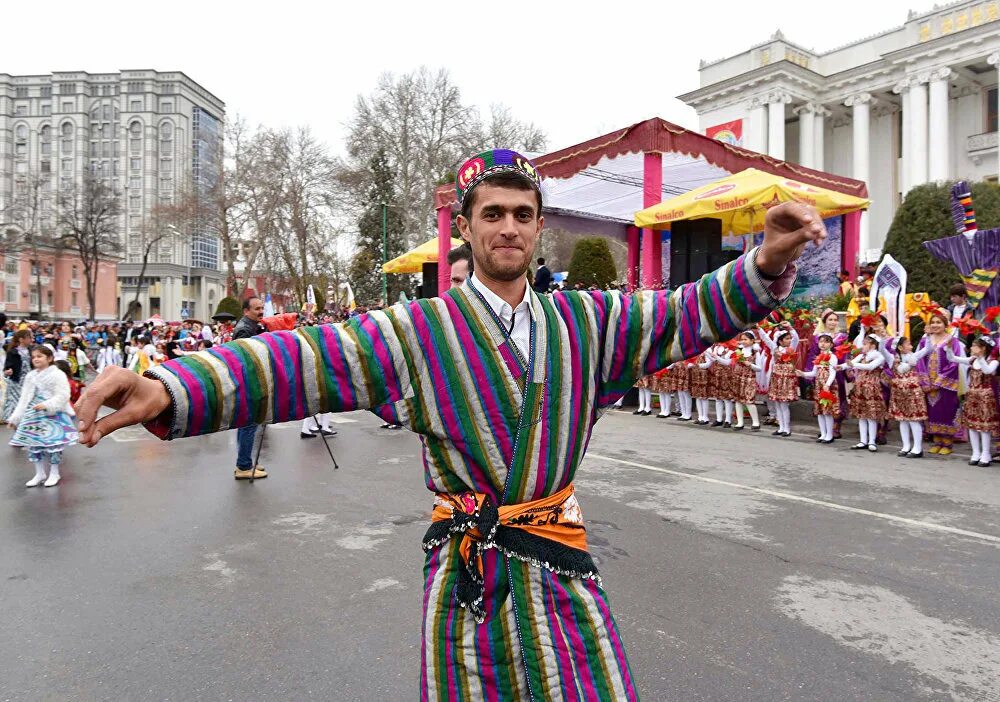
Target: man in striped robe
<point x="504" y="386"/>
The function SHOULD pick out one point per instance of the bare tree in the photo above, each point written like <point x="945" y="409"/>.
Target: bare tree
<point x="165" y="222"/>
<point x="30" y="209"/>
<point x="87" y="222"/>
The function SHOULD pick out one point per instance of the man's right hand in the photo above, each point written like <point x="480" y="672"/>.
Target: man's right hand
<point x="135" y="398"/>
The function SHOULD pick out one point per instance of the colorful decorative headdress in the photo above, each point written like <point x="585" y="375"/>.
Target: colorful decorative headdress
<point x="481" y="166"/>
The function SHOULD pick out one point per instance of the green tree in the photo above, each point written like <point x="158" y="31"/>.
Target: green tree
<point x="230" y="305"/>
<point x="592" y="264"/>
<point x="926" y="215"/>
<point x="365" y="270"/>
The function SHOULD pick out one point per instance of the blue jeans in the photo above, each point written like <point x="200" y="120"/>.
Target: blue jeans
<point x="244" y="442"/>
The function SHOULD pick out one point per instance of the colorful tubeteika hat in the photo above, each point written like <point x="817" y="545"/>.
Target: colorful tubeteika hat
<point x="481" y="166"/>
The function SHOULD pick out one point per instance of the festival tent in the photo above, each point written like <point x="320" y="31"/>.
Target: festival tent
<point x="741" y="202"/>
<point x="597" y="186"/>
<point x="413" y="261"/>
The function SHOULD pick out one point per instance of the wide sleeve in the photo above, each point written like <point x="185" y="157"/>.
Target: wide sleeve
<point x="27" y="395"/>
<point x="59" y="400"/>
<point x="287" y="375"/>
<point x="641" y="333"/>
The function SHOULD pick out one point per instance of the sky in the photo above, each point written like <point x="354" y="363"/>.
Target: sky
<point x="575" y="69"/>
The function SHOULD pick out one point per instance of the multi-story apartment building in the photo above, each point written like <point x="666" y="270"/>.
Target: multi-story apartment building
<point x="152" y="136"/>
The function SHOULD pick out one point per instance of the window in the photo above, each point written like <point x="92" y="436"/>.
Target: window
<point x="48" y="298"/>
<point x="67" y="129"/>
<point x="22" y="167"/>
<point x="20" y="149"/>
<point x="168" y="88"/>
<point x="46" y="167"/>
<point x="67" y="88"/>
<point x="991" y="110"/>
<point x="11" y="294"/>
<point x="166" y="165"/>
<point x="47" y="205"/>
<point x="135" y="145"/>
<point x="135" y="129"/>
<point x="106" y="149"/>
<point x="46" y="91"/>
<point x="34" y="298"/>
<point x="135" y="105"/>
<point x="135" y="163"/>
<point x="67" y="165"/>
<point x="46" y="109"/>
<point x="134" y="202"/>
<point x="67" y="106"/>
<point x="167" y="107"/>
<point x="94" y="146"/>
<point x="34" y="268"/>
<point x="20" y="110"/>
<point x="10" y="265"/>
<point x="135" y="182"/>
<point x="135" y="86"/>
<point x="21" y="133"/>
<point x="22" y="91"/>
<point x="74" y="272"/>
<point x="73" y="298"/>
<point x="166" y="131"/>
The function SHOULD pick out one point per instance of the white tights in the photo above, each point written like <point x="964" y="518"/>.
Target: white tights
<point x="982" y="449"/>
<point x="825" y="422"/>
<point x="645" y="400"/>
<point x="684" y="400"/>
<point x="914" y="430"/>
<point x="752" y="409"/>
<point x="869" y="430"/>
<point x="784" y="415"/>
<point x="666" y="402"/>
<point x="702" y="409"/>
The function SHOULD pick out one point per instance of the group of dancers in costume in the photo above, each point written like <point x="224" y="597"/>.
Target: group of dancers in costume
<point x="890" y="380"/>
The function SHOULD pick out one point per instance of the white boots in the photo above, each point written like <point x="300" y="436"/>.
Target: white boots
<point x="40" y="479"/>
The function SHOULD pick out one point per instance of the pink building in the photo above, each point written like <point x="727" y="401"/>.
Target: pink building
<point x="63" y="285"/>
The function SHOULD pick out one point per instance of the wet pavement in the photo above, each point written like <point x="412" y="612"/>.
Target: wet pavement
<point x="739" y="566"/>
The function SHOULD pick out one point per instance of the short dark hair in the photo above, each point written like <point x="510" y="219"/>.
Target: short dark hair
<point x="42" y="349"/>
<point x="957" y="289"/>
<point x="461" y="253"/>
<point x="246" y="303"/>
<point x="501" y="179"/>
<point x="541" y="261"/>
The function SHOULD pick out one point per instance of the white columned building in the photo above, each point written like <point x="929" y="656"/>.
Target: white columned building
<point x="910" y="105"/>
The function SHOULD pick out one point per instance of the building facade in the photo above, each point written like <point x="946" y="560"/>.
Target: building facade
<point x="911" y="105"/>
<point x="46" y="282"/>
<point x="151" y="136"/>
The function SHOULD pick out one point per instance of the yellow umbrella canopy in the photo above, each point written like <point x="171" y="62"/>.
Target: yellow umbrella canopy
<point x="742" y="200"/>
<point x="412" y="261"/>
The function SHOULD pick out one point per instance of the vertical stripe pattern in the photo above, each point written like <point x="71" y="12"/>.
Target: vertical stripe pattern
<point x="438" y="367"/>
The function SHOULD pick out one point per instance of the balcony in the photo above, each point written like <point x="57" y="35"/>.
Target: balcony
<point x="979" y="145"/>
<point x="74" y="284"/>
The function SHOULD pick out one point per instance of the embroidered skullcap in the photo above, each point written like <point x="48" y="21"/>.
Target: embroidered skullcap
<point x="987" y="339"/>
<point x="481" y="166"/>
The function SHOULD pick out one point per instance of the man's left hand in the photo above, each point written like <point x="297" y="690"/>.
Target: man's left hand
<point x="788" y="227"/>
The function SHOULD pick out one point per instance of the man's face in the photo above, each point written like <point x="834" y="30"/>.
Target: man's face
<point x="256" y="309"/>
<point x="503" y="230"/>
<point x="957" y="300"/>
<point x="459" y="272"/>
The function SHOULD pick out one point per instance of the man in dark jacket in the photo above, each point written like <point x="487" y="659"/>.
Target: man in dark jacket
<point x="248" y="326"/>
<point x="543" y="277"/>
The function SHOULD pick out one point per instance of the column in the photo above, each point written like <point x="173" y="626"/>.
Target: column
<point x="994" y="60"/>
<point x="756" y="138"/>
<point x="444" y="246"/>
<point x="860" y="105"/>
<point x="632" y="237"/>
<point x="807" y="135"/>
<point x="652" y="194"/>
<point x="918" y="124"/>
<point x="776" y="124"/>
<point x="938" y="157"/>
<point x="903" y="90"/>
<point x="819" y="150"/>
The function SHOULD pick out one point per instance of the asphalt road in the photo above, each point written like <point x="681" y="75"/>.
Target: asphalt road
<point x="740" y="567"/>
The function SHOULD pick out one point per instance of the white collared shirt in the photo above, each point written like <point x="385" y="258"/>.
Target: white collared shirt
<point x="520" y="315"/>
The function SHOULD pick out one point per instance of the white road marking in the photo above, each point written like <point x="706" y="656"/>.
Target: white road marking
<point x="382" y="584"/>
<point x="930" y="526"/>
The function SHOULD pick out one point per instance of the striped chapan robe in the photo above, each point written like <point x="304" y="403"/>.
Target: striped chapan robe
<point x="509" y="428"/>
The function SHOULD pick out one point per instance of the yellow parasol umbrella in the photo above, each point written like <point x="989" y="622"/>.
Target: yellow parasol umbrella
<point x="412" y="261"/>
<point x="741" y="201"/>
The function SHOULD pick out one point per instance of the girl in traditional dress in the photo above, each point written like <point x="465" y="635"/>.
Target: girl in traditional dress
<point x="939" y="377"/>
<point x="43" y="417"/>
<point x="17" y="364"/>
<point x="645" y="396"/>
<point x="720" y="386"/>
<point x="660" y="385"/>
<point x="907" y="403"/>
<point x="676" y="382"/>
<point x="698" y="374"/>
<point x="783" y="385"/>
<point x="743" y="374"/>
<point x="980" y="414"/>
<point x="826" y="402"/>
<point x="830" y="324"/>
<point x="867" y="403"/>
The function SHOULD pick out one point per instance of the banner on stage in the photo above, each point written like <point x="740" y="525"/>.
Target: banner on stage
<point x="727" y="132"/>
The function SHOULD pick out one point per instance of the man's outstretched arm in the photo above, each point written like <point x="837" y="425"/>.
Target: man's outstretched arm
<point x="275" y="377"/>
